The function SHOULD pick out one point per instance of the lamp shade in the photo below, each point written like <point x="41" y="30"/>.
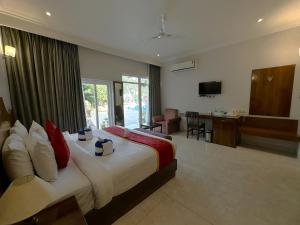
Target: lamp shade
<point x="9" y="51"/>
<point x="25" y="197"/>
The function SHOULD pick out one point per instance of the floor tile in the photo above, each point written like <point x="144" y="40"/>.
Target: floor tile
<point x="224" y="186"/>
<point x="138" y="213"/>
<point x="170" y="212"/>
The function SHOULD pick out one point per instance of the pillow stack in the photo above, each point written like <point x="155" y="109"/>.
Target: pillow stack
<point x="16" y="159"/>
<point x="39" y="150"/>
<point x="41" y="153"/>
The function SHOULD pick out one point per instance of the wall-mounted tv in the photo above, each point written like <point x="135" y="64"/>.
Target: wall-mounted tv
<point x="210" y="88"/>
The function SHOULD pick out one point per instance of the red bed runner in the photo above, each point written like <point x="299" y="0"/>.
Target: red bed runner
<point x="118" y="131"/>
<point x="163" y="148"/>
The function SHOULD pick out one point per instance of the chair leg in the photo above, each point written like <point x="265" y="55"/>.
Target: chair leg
<point x="187" y="133"/>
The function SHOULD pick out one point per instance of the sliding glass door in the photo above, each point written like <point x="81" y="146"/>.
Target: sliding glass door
<point x="136" y="101"/>
<point x="98" y="103"/>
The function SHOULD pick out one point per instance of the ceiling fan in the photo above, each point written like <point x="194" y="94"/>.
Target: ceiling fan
<point x="162" y="33"/>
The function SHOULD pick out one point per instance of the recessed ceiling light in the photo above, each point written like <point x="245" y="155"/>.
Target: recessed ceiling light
<point x="48" y="13"/>
<point x="260" y="20"/>
<point x="158" y="55"/>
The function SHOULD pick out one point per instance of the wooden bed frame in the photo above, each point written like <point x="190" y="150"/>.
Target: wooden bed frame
<point x="120" y="204"/>
<point x="123" y="203"/>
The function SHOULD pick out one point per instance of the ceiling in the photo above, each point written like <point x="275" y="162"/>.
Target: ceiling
<point x="128" y="25"/>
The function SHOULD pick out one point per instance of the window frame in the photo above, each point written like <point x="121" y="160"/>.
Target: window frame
<point x="139" y="83"/>
<point x="111" y="113"/>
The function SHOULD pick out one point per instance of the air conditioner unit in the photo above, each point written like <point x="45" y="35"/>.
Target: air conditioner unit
<point x="183" y="66"/>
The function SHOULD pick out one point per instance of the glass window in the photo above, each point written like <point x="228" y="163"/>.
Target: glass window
<point x="136" y="101"/>
<point x="97" y="103"/>
<point x="144" y="80"/>
<point x="130" y="79"/>
<point x="90" y="105"/>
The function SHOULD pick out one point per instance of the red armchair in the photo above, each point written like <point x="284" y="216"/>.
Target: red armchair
<point x="170" y="121"/>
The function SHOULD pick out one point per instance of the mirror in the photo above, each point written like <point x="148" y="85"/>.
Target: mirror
<point x="118" y="103"/>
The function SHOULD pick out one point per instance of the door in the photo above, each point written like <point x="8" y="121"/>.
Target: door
<point x="136" y="101"/>
<point x="98" y="103"/>
<point x="118" y="103"/>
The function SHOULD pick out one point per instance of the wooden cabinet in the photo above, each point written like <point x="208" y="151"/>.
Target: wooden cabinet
<point x="225" y="131"/>
<point x="271" y="91"/>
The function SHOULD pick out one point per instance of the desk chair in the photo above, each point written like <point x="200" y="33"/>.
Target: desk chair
<point x="193" y="124"/>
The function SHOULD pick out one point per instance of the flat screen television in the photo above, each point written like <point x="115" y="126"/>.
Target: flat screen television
<point x="210" y="88"/>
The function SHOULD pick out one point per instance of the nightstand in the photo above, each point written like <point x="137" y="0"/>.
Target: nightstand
<point x="66" y="212"/>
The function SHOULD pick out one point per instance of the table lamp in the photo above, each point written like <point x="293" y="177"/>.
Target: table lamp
<point x="25" y="197"/>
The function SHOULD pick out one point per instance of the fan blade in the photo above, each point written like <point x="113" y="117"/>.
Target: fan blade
<point x="163" y="19"/>
<point x="176" y="36"/>
<point x="156" y="37"/>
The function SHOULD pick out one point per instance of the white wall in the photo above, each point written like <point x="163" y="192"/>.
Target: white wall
<point x="233" y="66"/>
<point x="98" y="65"/>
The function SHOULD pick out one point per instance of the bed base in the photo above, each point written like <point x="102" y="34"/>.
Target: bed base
<point x="123" y="203"/>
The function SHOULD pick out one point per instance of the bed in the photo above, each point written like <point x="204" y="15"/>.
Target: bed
<point x="129" y="164"/>
<point x="72" y="182"/>
<point x="133" y="170"/>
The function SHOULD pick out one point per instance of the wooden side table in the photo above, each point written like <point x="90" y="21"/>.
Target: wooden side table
<point x="66" y="212"/>
<point x="151" y="126"/>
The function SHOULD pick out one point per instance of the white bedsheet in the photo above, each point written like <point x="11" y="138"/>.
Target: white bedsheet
<point x="100" y="178"/>
<point x="130" y="164"/>
<point x="71" y="181"/>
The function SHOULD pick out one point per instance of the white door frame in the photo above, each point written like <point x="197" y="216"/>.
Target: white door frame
<point x="139" y="83"/>
<point x="111" y="114"/>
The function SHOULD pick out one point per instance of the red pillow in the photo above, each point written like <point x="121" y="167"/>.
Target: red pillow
<point x="61" y="149"/>
<point x="50" y="128"/>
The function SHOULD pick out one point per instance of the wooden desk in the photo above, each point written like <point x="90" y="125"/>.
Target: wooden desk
<point x="205" y="116"/>
<point x="225" y="129"/>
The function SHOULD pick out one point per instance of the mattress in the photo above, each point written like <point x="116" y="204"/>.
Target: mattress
<point x="72" y="182"/>
<point x="130" y="164"/>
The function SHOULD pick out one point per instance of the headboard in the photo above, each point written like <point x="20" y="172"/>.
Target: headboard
<point x="6" y="120"/>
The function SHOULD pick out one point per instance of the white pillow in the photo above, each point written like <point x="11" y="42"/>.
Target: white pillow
<point x="35" y="127"/>
<point x="16" y="159"/>
<point x="19" y="129"/>
<point x="42" y="155"/>
<point x="8" y="140"/>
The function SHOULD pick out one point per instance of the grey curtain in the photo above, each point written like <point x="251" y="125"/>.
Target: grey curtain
<point x="44" y="80"/>
<point x="154" y="91"/>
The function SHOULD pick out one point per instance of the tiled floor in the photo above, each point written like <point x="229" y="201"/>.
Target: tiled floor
<point x="223" y="186"/>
